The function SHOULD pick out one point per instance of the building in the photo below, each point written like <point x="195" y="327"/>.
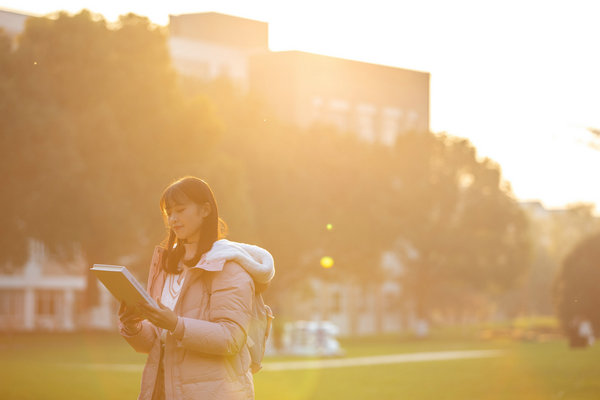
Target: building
<point x="212" y="45"/>
<point x="374" y="101"/>
<point x="47" y="295"/>
<point x="12" y="22"/>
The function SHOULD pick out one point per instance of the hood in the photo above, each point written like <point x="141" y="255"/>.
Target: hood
<point x="257" y="261"/>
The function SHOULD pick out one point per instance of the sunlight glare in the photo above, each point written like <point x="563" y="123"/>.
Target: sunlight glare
<point x="326" y="262"/>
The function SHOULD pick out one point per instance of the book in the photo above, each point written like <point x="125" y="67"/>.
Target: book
<point x="122" y="284"/>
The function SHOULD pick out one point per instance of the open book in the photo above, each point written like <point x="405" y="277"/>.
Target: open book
<point x="119" y="281"/>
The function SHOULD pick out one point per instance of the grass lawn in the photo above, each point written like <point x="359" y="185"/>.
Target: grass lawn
<point x="65" y="366"/>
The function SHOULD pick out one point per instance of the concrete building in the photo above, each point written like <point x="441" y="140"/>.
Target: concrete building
<point x="212" y="45"/>
<point x="48" y="295"/>
<point x="375" y="102"/>
<point x="12" y="22"/>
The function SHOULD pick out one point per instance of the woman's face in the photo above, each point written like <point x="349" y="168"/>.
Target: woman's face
<point x="186" y="218"/>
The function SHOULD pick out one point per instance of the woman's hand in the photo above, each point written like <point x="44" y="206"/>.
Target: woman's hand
<point x="163" y="318"/>
<point x="130" y="317"/>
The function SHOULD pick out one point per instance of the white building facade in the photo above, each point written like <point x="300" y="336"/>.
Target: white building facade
<point x="46" y="295"/>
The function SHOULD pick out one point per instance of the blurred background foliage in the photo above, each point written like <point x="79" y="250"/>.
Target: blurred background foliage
<point x="94" y="123"/>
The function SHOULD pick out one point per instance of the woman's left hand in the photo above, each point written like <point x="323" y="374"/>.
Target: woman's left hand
<point x="164" y="317"/>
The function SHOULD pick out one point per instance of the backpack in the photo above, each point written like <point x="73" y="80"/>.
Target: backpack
<point x="258" y="332"/>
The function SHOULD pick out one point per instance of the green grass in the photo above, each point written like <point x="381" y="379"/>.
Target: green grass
<point x="53" y="366"/>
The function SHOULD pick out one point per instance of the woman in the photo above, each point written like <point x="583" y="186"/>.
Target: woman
<point x="204" y="286"/>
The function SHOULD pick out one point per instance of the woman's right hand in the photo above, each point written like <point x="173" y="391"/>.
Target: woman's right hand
<point x="130" y="317"/>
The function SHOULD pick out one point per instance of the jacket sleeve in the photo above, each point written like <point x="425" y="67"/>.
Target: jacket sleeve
<point x="232" y="293"/>
<point x="142" y="340"/>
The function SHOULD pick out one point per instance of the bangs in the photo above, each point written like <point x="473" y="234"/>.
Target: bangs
<point x="172" y="197"/>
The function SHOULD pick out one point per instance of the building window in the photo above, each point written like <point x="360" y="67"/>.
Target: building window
<point x="366" y="121"/>
<point x="390" y="124"/>
<point x="338" y="114"/>
<point x="10" y="302"/>
<point x="46" y="302"/>
<point x="412" y="121"/>
<point x="390" y="301"/>
<point x="362" y="299"/>
<point x="317" y="108"/>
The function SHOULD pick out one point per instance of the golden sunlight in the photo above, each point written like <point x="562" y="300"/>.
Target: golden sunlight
<point x="326" y="262"/>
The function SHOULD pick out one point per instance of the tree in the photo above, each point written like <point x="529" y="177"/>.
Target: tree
<point x="89" y="138"/>
<point x="460" y="229"/>
<point x="553" y="233"/>
<point x="96" y="126"/>
<point x="297" y="182"/>
<point x="576" y="286"/>
<point x="448" y="213"/>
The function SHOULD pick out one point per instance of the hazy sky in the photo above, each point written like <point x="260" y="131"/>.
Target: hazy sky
<point x="520" y="79"/>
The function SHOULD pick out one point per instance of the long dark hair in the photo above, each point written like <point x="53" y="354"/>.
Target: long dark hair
<point x="213" y="227"/>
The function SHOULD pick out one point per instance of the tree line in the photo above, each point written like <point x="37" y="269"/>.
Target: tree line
<point x="95" y="122"/>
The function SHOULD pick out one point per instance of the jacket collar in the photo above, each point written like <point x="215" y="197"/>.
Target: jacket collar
<point x="257" y="261"/>
<point x="210" y="265"/>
